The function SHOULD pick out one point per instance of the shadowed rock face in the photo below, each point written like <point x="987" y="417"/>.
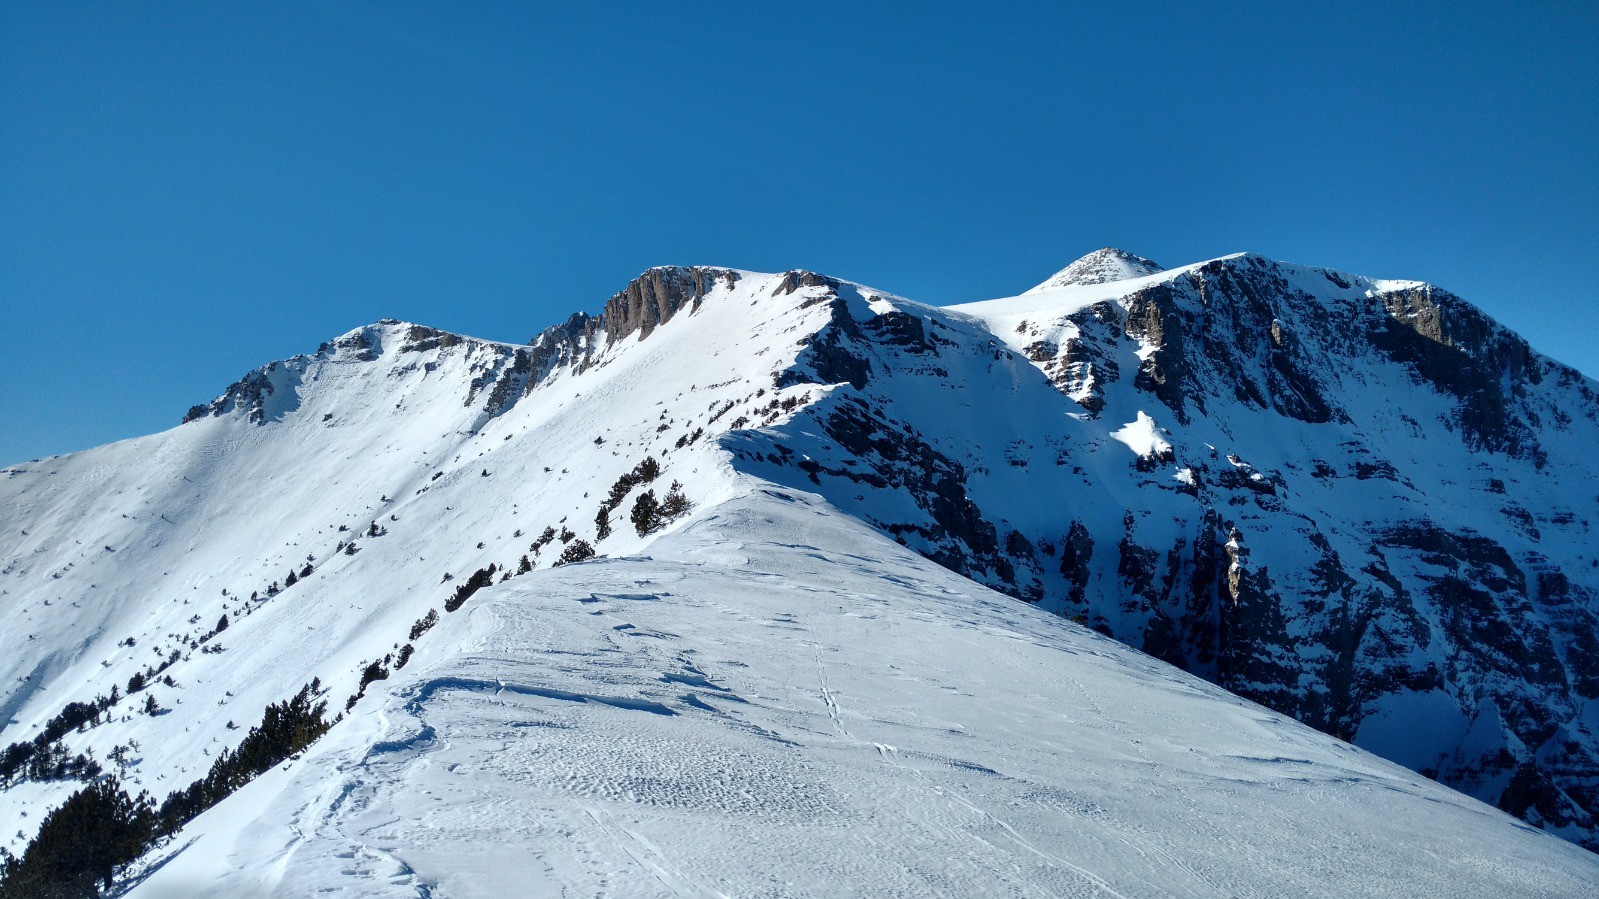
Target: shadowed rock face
<point x="1237" y="328"/>
<point x="1321" y="553"/>
<point x="1463" y="353"/>
<point x="1152" y="318"/>
<point x="1232" y="329"/>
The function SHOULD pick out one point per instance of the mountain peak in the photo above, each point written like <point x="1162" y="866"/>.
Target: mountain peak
<point x="1232" y="475"/>
<point x="1101" y="267"/>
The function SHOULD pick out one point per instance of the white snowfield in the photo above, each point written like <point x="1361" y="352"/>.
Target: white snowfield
<point x="765" y="698"/>
<point x="776" y="701"/>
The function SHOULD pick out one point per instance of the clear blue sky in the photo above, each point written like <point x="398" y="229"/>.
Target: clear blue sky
<point x="189" y="190"/>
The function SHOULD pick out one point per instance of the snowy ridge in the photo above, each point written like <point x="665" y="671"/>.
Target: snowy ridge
<point x="825" y="714"/>
<point x="458" y="452"/>
<point x="1293" y="482"/>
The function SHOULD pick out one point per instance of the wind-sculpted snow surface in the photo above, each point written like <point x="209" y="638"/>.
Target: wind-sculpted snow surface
<point x="825" y="714"/>
<point x="1358" y="502"/>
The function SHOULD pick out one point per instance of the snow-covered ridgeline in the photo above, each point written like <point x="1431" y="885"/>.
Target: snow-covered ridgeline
<point x="778" y="701"/>
<point x="1171" y="457"/>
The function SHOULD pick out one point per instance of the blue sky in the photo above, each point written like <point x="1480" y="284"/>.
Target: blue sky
<point x="189" y="190"/>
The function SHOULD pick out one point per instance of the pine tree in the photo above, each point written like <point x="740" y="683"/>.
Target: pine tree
<point x="646" y="515"/>
<point x="479" y="579"/>
<point x="675" y="504"/>
<point x="424" y="624"/>
<point x="285" y="729"/>
<point x="81" y="844"/>
<point x="578" y="550"/>
<point x="648" y="470"/>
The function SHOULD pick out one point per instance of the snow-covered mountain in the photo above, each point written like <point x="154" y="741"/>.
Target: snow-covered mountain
<point x="1360" y="503"/>
<point x="1100" y="267"/>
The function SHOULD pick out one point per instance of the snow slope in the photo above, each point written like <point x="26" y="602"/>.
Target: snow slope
<point x="1100" y="267"/>
<point x="392" y="425"/>
<point x="1359" y="572"/>
<point x="779" y="702"/>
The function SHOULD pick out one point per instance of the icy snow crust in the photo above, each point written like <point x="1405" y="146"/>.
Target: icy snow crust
<point x="779" y="702"/>
<point x="727" y="738"/>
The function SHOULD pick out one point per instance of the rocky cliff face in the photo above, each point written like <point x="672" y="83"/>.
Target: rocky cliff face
<point x="1361" y="503"/>
<point x="647" y="302"/>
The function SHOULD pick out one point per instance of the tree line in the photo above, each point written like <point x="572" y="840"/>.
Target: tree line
<point x="82" y="845"/>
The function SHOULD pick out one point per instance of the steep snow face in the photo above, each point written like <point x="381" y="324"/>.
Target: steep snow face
<point x="1358" y="502"/>
<point x="776" y="701"/>
<point x="1100" y="267"/>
